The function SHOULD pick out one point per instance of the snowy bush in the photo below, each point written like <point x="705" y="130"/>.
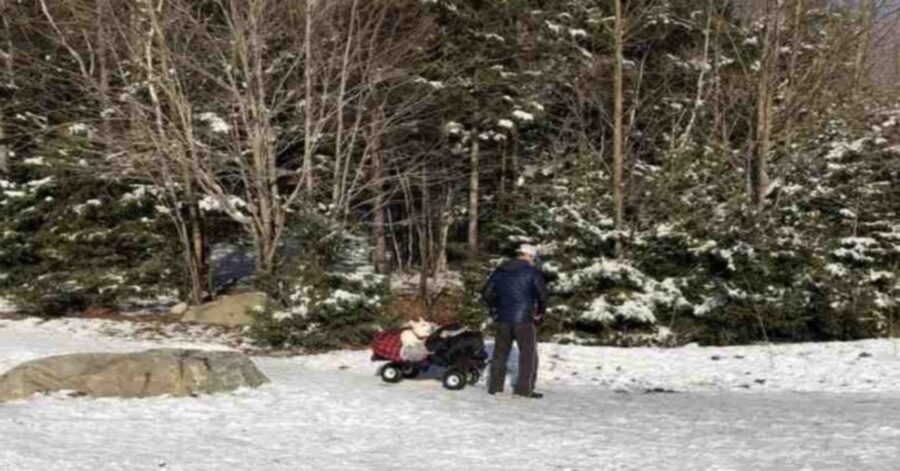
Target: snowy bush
<point x="73" y="238"/>
<point x="326" y="293"/>
<point x="820" y="263"/>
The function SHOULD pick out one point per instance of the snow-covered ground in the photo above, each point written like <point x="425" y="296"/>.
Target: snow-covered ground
<point x="811" y="406"/>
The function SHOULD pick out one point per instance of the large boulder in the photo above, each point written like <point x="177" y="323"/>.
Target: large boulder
<point x="179" y="309"/>
<point x="231" y="310"/>
<point x="177" y="372"/>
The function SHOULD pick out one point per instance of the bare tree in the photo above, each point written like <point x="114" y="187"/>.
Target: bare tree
<point x="94" y="36"/>
<point x="473" y="196"/>
<point x="7" y="84"/>
<point x="764" y="101"/>
<point x="705" y="68"/>
<point x="618" y="113"/>
<point x="222" y="82"/>
<point x="867" y="12"/>
<point x="379" y="255"/>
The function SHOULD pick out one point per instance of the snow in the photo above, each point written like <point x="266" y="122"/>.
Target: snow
<point x="80" y="208"/>
<point x="847" y="213"/>
<point x="808" y="406"/>
<point x="405" y="283"/>
<point x="453" y="127"/>
<point x="708" y="305"/>
<point x="79" y="128"/>
<point x="140" y="192"/>
<point x="339" y="296"/>
<point x="37" y="161"/>
<point x="212" y="203"/>
<point x="836" y="269"/>
<point x="216" y="123"/>
<point x="639" y="307"/>
<point x="523" y="115"/>
<point x="40" y="183"/>
<point x="578" y="33"/>
<point x="6" y="307"/>
<point x="840" y="149"/>
<point x="437" y="85"/>
<point x="855" y="248"/>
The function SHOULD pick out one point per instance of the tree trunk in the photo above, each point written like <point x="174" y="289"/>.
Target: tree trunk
<point x="201" y="255"/>
<point x="4" y="148"/>
<point x="190" y="228"/>
<point x="796" y="46"/>
<point x="103" y="71"/>
<point x="473" y="198"/>
<point x="265" y="264"/>
<point x="411" y="225"/>
<point x="618" y="115"/>
<point x="6" y="81"/>
<point x="424" y="242"/>
<point x="308" y="147"/>
<point x="513" y="165"/>
<point x="398" y="253"/>
<point x="501" y="192"/>
<point x="897" y="62"/>
<point x="444" y="232"/>
<point x="863" y="45"/>
<point x="763" y="145"/>
<point x="378" y="232"/>
<point x="701" y="77"/>
<point x="193" y="279"/>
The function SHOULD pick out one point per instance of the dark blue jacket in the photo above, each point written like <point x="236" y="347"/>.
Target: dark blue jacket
<point x="516" y="293"/>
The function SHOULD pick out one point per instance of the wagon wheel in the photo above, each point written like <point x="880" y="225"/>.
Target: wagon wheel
<point x="454" y="380"/>
<point x="410" y="371"/>
<point x="391" y="373"/>
<point x="473" y="376"/>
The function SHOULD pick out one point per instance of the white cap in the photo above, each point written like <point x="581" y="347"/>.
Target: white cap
<point x="528" y="249"/>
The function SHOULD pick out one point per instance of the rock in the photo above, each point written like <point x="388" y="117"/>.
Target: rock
<point x="177" y="372"/>
<point x="230" y="310"/>
<point x="179" y="309"/>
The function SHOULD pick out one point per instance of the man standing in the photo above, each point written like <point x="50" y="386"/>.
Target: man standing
<point x="517" y="298"/>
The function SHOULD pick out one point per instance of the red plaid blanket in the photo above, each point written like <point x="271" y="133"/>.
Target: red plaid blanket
<point x="387" y="345"/>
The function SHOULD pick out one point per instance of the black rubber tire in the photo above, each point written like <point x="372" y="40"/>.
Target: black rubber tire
<point x="473" y="377"/>
<point x="391" y="373"/>
<point x="410" y="371"/>
<point x="454" y="380"/>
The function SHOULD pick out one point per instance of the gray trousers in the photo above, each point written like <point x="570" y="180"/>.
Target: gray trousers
<point x="525" y="336"/>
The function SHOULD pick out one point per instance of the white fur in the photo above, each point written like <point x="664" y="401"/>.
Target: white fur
<point x="412" y="339"/>
<point x="420" y="327"/>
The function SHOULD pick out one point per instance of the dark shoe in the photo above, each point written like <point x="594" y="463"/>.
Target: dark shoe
<point x="533" y="395"/>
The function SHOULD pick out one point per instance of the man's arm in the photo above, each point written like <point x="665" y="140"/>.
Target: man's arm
<point x="539" y="288"/>
<point x="489" y="296"/>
